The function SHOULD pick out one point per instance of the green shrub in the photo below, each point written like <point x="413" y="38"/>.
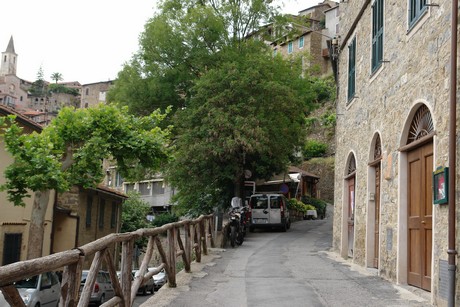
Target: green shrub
<point x="319" y="205"/>
<point x="297" y="205"/>
<point x="314" y="149"/>
<point x="164" y="218"/>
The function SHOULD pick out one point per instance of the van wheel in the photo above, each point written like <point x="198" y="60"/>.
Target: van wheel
<point x="289" y="224"/>
<point x="284" y="227"/>
<point x="251" y="229"/>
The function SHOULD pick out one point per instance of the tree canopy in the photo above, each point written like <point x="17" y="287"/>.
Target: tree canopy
<point x="236" y="106"/>
<point x="70" y="152"/>
<point x="178" y="45"/>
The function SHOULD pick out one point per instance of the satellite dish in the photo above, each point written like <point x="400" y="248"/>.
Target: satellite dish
<point x="247" y="174"/>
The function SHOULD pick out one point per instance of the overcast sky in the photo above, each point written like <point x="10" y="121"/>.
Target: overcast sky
<point x="86" y="40"/>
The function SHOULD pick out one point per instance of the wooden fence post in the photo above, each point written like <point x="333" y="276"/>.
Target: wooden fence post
<point x="197" y="242"/>
<point x="188" y="247"/>
<point x="126" y="270"/>
<point x="203" y="236"/>
<point x="172" y="256"/>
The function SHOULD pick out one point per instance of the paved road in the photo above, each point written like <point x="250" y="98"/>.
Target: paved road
<point x="284" y="269"/>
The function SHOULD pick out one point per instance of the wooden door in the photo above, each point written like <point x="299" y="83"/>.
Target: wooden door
<point x="351" y="209"/>
<point x="377" y="216"/>
<point x="420" y="167"/>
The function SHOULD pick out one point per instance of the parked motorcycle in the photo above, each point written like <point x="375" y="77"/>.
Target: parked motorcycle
<point x="236" y="228"/>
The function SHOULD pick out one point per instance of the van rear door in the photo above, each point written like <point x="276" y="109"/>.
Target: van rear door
<point x="275" y="209"/>
<point x="260" y="212"/>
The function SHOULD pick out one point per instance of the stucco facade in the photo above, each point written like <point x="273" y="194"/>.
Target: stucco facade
<point x="397" y="110"/>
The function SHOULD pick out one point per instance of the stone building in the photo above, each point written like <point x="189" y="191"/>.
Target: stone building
<point x="310" y="38"/>
<point x="391" y="136"/>
<point x="94" y="93"/>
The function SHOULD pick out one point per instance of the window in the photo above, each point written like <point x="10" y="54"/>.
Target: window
<point x="351" y="69"/>
<point x="377" y="34"/>
<point x="416" y="9"/>
<point x="87" y="91"/>
<point x="158" y="187"/>
<point x="118" y="180"/>
<point x="89" y="208"/>
<point x="12" y="248"/>
<point x="290" y="47"/>
<point x="113" y="218"/>
<point x="301" y="42"/>
<point x="129" y="187"/>
<point x="144" y="188"/>
<point x="101" y="213"/>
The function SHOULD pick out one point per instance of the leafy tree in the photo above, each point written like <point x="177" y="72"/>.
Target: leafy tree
<point x="178" y="45"/>
<point x="60" y="88"/>
<point x="70" y="151"/>
<point x="238" y="118"/>
<point x="237" y="106"/>
<point x="134" y="216"/>
<point x="56" y="76"/>
<point x="39" y="87"/>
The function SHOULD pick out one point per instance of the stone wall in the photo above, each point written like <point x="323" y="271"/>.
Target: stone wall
<point x="415" y="72"/>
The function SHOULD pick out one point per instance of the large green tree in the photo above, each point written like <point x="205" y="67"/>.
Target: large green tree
<point x="247" y="114"/>
<point x="70" y="152"/>
<point x="179" y="44"/>
<point x="237" y="107"/>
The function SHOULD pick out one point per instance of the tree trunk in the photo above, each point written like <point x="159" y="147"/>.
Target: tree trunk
<point x="37" y="224"/>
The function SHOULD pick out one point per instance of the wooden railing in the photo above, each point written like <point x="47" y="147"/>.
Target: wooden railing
<point x="196" y="235"/>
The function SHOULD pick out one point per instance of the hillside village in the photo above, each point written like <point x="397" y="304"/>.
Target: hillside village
<point x="387" y="166"/>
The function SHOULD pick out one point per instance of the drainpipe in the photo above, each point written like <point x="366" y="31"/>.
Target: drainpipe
<point x="451" y="251"/>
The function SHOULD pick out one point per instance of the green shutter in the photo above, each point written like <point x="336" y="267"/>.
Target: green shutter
<point x="351" y="69"/>
<point x="377" y="34"/>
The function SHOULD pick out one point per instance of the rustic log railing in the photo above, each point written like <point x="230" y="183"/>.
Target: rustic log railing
<point x="197" y="233"/>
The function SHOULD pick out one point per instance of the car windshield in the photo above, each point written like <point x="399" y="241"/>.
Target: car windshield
<point x="27" y="283"/>
<point x="83" y="276"/>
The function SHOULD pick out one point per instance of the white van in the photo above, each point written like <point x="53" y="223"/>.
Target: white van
<point x="269" y="210"/>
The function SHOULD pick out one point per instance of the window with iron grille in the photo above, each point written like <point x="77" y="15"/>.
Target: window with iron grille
<point x="351" y="69"/>
<point x="12" y="248"/>
<point x="377" y="34"/>
<point x="416" y="9"/>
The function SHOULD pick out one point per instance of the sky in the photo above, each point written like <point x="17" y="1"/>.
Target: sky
<point x="87" y="40"/>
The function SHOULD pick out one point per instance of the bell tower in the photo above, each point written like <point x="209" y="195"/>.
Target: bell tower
<point x="9" y="60"/>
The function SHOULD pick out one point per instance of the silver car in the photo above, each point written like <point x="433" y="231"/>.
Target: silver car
<point x="41" y="290"/>
<point x="103" y="289"/>
<point x="159" y="279"/>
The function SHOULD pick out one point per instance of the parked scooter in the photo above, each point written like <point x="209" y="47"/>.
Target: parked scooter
<point x="235" y="229"/>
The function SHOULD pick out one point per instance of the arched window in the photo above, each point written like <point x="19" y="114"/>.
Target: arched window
<point x="421" y="125"/>
<point x="351" y="165"/>
<point x="377" y="148"/>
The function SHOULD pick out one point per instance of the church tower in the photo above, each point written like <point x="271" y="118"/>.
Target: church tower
<point x="9" y="60"/>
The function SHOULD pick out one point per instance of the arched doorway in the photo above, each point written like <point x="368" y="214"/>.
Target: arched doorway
<point x="419" y="208"/>
<point x="374" y="203"/>
<point x="350" y="201"/>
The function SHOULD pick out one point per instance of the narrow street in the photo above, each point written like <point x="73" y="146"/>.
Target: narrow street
<point x="295" y="268"/>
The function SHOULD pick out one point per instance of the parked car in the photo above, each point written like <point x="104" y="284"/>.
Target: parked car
<point x="39" y="290"/>
<point x="159" y="279"/>
<point x="103" y="289"/>
<point x="269" y="210"/>
<point x="148" y="286"/>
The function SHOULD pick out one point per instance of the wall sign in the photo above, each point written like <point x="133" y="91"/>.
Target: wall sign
<point x="440" y="185"/>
